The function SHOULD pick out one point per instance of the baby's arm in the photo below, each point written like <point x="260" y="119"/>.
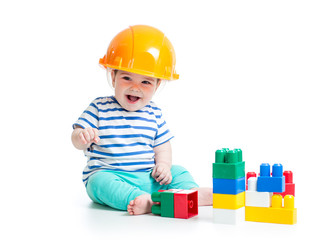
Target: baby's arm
<point x="83" y="138"/>
<point x="163" y="162"/>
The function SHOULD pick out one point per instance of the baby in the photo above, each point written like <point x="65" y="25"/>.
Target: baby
<point x="125" y="138"/>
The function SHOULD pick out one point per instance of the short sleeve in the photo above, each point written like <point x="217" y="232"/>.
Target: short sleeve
<point x="163" y="134"/>
<point x="89" y="117"/>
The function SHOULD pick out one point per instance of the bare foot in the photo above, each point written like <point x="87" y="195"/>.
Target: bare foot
<point x="140" y="205"/>
<point x="204" y="196"/>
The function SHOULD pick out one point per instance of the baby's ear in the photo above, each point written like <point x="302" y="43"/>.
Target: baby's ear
<point x="113" y="76"/>
<point x="158" y="83"/>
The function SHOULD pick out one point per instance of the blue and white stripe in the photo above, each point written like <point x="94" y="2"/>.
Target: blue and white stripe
<point x="127" y="139"/>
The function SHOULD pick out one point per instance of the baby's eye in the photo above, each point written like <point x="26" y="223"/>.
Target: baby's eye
<point x="146" y="82"/>
<point x="126" y="78"/>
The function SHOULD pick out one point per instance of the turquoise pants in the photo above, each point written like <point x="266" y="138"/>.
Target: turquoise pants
<point x="116" y="188"/>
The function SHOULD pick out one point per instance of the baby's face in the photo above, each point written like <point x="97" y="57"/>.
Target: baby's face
<point x="133" y="91"/>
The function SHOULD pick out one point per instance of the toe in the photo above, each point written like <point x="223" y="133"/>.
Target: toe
<point x="131" y="203"/>
<point x="137" y="201"/>
<point x="130" y="210"/>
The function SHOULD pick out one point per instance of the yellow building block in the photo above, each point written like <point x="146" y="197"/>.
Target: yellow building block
<point x="274" y="214"/>
<point x="228" y="201"/>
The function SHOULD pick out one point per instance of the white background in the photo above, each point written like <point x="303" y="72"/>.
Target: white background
<point x="255" y="75"/>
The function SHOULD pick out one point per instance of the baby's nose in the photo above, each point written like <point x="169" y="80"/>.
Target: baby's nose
<point x="135" y="88"/>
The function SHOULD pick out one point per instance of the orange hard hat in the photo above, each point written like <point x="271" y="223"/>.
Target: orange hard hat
<point x="143" y="50"/>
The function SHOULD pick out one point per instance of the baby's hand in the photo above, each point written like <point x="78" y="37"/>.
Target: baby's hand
<point x="161" y="173"/>
<point x="85" y="137"/>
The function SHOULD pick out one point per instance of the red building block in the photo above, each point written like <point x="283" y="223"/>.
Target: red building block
<point x="248" y="175"/>
<point x="289" y="185"/>
<point x="186" y="204"/>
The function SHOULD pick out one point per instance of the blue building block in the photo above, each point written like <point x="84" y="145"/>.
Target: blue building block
<point x="229" y="186"/>
<point x="268" y="183"/>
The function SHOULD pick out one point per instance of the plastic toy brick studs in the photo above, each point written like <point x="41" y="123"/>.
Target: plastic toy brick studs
<point x="268" y="183"/>
<point x="228" y="164"/>
<point x="176" y="203"/>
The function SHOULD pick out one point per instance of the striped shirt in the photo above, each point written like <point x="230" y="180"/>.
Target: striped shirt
<point x="127" y="139"/>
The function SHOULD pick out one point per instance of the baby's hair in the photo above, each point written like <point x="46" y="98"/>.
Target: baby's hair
<point x="116" y="70"/>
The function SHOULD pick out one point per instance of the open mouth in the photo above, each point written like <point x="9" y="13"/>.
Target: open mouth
<point x="132" y="99"/>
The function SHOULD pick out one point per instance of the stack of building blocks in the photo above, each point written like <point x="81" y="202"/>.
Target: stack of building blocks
<point x="175" y="203"/>
<point x="289" y="185"/>
<point x="228" y="186"/>
<point x="261" y="205"/>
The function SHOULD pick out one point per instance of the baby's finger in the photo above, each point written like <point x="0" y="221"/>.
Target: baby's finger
<point x="154" y="172"/>
<point x="158" y="172"/>
<point x="86" y="135"/>
<point x="91" y="133"/>
<point x="170" y="178"/>
<point x="167" y="180"/>
<point x="96" y="135"/>
<point x="82" y="138"/>
<point x="164" y="180"/>
<point x="160" y="177"/>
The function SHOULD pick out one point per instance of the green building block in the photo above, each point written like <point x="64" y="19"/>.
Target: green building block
<point x="156" y="208"/>
<point x="220" y="155"/>
<point x="166" y="207"/>
<point x="228" y="170"/>
<point x="225" y="155"/>
<point x="228" y="164"/>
